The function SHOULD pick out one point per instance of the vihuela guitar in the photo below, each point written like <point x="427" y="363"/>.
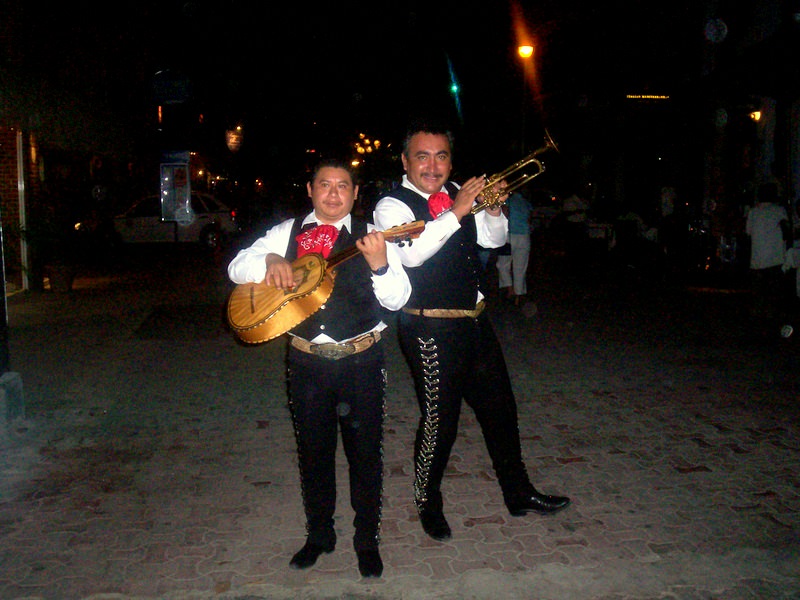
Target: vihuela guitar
<point x="258" y="312"/>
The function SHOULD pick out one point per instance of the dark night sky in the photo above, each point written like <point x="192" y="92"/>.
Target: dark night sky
<point x="277" y="67"/>
<point x="375" y="63"/>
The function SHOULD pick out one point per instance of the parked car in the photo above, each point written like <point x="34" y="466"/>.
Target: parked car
<point x="208" y="222"/>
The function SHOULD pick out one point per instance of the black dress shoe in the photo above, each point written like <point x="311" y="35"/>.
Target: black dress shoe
<point x="308" y="555"/>
<point x="435" y="525"/>
<point x="536" y="502"/>
<point x="369" y="563"/>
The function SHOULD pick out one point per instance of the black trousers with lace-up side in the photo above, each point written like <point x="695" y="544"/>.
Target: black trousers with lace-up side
<point x="327" y="396"/>
<point x="453" y="360"/>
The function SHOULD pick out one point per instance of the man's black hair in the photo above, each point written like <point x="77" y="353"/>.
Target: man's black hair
<point x="430" y="125"/>
<point x="335" y="163"/>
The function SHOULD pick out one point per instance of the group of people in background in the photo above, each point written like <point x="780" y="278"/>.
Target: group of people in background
<point x="755" y="248"/>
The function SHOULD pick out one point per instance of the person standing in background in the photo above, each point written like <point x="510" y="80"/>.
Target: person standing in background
<point x="512" y="269"/>
<point x="768" y="227"/>
<point x="576" y="235"/>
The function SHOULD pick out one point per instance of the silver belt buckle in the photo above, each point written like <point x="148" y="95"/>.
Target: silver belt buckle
<point x="333" y="351"/>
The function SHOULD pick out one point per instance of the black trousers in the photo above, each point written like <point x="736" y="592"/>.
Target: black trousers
<point x="451" y="360"/>
<point x="325" y="396"/>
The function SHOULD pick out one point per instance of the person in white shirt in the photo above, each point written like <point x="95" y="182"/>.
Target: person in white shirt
<point x="336" y="367"/>
<point x="767" y="226"/>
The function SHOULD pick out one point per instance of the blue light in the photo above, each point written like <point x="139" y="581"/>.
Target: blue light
<point x="455" y="89"/>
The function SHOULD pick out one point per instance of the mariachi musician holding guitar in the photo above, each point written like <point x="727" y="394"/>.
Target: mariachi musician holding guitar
<point x="335" y="360"/>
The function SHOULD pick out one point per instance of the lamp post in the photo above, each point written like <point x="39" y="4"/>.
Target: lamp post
<point x="233" y="138"/>
<point x="525" y="52"/>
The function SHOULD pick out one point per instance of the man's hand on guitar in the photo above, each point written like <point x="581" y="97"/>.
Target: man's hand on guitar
<point x="279" y="272"/>
<point x="373" y="247"/>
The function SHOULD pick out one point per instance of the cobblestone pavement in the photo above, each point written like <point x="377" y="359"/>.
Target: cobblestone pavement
<point x="156" y="458"/>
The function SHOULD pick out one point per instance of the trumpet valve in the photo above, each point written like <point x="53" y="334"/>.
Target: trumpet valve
<point x="490" y="197"/>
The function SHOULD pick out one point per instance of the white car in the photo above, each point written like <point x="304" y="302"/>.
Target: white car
<point x="208" y="222"/>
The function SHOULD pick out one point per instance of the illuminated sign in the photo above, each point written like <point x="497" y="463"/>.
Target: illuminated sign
<point x="646" y="97"/>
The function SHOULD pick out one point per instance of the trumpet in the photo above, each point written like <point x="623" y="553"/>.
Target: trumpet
<point x="490" y="195"/>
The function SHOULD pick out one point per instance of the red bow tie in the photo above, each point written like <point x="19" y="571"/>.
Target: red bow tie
<point x="439" y="203"/>
<point x="320" y="239"/>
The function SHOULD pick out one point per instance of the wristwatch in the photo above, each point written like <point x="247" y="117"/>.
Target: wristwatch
<point x="380" y="270"/>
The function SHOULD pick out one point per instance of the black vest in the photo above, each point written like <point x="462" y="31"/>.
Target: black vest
<point x="451" y="277"/>
<point x="352" y="308"/>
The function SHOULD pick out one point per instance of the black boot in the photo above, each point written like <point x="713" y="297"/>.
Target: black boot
<point x="308" y="555"/>
<point x="434" y="523"/>
<point x="369" y="563"/>
<point x="523" y="502"/>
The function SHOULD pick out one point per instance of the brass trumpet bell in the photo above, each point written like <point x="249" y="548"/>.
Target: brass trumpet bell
<point x="491" y="194"/>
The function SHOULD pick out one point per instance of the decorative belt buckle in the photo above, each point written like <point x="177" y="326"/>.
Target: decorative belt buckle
<point x="333" y="351"/>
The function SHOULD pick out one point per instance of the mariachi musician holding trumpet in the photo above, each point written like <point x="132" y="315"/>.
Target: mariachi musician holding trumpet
<point x="450" y="344"/>
<point x="335" y="357"/>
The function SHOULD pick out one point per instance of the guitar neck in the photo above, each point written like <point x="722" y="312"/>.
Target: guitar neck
<point x="395" y="234"/>
<point x="340" y="257"/>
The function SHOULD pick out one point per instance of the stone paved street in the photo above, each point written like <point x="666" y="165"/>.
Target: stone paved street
<point x="156" y="458"/>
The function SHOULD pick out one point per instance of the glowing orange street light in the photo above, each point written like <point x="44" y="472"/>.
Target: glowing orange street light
<point x="525" y="51"/>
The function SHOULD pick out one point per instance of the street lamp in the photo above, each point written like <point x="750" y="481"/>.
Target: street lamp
<point x="365" y="145"/>
<point x="525" y="52"/>
<point x="233" y="138"/>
